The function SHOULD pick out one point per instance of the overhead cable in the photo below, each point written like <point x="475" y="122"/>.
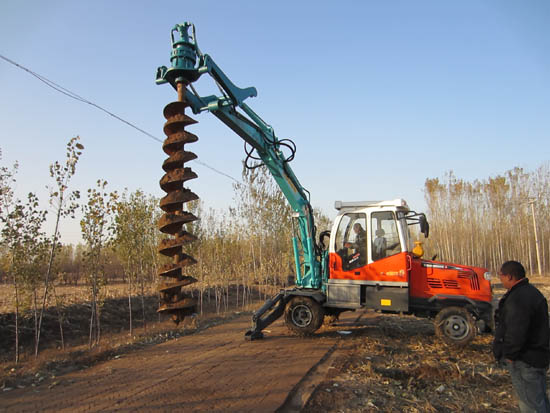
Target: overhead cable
<point x="79" y="98"/>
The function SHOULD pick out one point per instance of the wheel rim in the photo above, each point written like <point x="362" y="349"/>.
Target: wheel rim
<point x="456" y="327"/>
<point x="301" y="315"/>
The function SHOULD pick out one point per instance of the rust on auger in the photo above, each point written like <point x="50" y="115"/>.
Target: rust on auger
<point x="175" y="301"/>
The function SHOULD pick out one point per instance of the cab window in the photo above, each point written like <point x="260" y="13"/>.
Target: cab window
<point x="384" y="235"/>
<point x="351" y="241"/>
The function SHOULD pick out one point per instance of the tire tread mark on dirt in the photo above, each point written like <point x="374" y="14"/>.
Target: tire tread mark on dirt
<point x="92" y="396"/>
<point x="142" y="391"/>
<point x="301" y="393"/>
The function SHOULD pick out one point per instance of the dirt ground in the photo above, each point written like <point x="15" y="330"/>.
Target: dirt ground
<point x="396" y="364"/>
<point x="366" y="362"/>
<point x="212" y="370"/>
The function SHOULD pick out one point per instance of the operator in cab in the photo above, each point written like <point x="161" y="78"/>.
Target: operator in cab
<point x="359" y="245"/>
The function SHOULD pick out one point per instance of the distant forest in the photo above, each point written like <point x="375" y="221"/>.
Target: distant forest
<point x="482" y="223"/>
<point x="486" y="222"/>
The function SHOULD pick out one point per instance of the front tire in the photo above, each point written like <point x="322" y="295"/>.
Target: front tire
<point x="303" y="315"/>
<point x="455" y="326"/>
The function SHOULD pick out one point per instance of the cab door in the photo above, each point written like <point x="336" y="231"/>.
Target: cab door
<point x="349" y="252"/>
<point x="389" y="264"/>
<point x="372" y="274"/>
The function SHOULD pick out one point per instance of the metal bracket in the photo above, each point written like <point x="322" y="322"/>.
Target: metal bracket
<point x="260" y="323"/>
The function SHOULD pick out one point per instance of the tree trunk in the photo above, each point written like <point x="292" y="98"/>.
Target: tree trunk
<point x="59" y="319"/>
<point x="98" y="323"/>
<point x="48" y="273"/>
<point x="91" y="323"/>
<point x="142" y="296"/>
<point x="16" y="319"/>
<point x="35" y="316"/>
<point x="130" y="302"/>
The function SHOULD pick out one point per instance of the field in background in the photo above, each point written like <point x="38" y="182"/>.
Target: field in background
<point x="388" y="363"/>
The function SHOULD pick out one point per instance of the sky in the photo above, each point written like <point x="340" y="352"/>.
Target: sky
<point x="377" y="95"/>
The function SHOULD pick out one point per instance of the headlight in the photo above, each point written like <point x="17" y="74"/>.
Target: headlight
<point x="488" y="276"/>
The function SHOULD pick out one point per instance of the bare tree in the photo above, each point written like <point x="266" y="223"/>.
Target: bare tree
<point x="135" y="242"/>
<point x="97" y="229"/>
<point x="23" y="235"/>
<point x="7" y="180"/>
<point x="65" y="204"/>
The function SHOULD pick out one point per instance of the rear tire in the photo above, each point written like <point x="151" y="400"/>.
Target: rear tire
<point x="303" y="315"/>
<point x="455" y="326"/>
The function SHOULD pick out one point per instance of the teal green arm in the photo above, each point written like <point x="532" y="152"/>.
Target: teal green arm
<point x="253" y="130"/>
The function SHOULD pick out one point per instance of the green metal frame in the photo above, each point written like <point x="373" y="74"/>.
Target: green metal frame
<point x="188" y="64"/>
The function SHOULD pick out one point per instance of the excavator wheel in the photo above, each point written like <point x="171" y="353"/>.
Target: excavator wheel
<point x="455" y="326"/>
<point x="303" y="315"/>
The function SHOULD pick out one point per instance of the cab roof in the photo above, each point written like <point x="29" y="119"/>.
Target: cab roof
<point x="351" y="205"/>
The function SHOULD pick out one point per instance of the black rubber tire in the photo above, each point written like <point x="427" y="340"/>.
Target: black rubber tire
<point x="455" y="326"/>
<point x="303" y="315"/>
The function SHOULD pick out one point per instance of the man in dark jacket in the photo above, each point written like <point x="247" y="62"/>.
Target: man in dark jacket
<point x="522" y="337"/>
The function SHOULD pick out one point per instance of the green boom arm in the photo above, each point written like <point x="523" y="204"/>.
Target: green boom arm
<point x="188" y="64"/>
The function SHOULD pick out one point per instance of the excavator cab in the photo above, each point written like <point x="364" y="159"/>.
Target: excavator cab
<point x="381" y="280"/>
<point x="385" y="228"/>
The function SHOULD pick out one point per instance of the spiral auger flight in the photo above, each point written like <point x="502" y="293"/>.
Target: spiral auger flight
<point x="175" y="301"/>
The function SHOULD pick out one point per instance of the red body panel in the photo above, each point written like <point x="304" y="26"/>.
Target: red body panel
<point x="429" y="278"/>
<point x="394" y="268"/>
<point x="426" y="278"/>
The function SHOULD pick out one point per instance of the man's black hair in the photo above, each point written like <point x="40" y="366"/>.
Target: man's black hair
<point x="513" y="268"/>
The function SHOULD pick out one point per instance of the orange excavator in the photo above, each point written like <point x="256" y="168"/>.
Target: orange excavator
<point x="370" y="261"/>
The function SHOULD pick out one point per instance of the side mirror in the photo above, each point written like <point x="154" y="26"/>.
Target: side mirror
<point x="424" y="225"/>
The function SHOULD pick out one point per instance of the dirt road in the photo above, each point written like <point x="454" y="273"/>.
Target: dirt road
<point x="214" y="370"/>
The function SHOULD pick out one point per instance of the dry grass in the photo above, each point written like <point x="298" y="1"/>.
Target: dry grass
<point x="116" y="340"/>
<point x="70" y="294"/>
<point x="392" y="363"/>
<point x="397" y="364"/>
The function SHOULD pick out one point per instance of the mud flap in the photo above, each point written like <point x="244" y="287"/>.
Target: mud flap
<point x="279" y="302"/>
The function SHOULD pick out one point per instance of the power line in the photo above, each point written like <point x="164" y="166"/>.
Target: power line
<point x="79" y="98"/>
<point x="216" y="170"/>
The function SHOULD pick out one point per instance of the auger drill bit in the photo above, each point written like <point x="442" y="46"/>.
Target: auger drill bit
<point x="175" y="301"/>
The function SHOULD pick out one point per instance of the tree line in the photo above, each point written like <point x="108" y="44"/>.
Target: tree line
<point x="245" y="250"/>
<point x="486" y="222"/>
<point x="242" y="252"/>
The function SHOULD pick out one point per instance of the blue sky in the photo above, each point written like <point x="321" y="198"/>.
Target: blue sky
<point x="377" y="95"/>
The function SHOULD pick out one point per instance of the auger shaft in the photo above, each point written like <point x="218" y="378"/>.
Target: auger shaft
<point x="174" y="300"/>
